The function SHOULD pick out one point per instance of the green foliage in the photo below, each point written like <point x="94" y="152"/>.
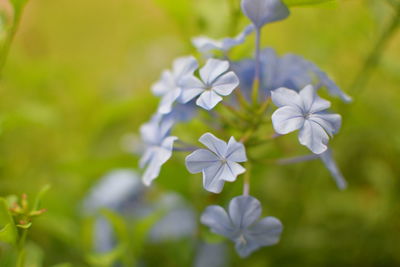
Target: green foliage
<point x="74" y="88"/>
<point x="308" y="2"/>
<point x="8" y="232"/>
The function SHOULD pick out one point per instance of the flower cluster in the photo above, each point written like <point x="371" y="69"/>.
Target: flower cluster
<point x="237" y="96"/>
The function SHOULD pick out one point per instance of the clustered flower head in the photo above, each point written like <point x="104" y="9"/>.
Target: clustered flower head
<point x="234" y="100"/>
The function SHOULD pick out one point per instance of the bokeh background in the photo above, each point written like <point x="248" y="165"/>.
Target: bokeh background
<point x="76" y="87"/>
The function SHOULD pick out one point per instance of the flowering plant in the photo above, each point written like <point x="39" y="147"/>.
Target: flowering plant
<point x="240" y="97"/>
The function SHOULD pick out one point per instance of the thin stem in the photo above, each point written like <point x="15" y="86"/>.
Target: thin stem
<point x="298" y="159"/>
<point x="376" y="53"/>
<point x="246" y="180"/>
<point x="10" y="36"/>
<point x="257" y="57"/>
<point x="257" y="74"/>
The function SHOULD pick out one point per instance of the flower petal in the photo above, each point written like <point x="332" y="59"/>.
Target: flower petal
<point x="184" y="66"/>
<point x="165" y="84"/>
<point x="218" y="220"/>
<point x="287" y="119"/>
<point x="261" y="12"/>
<point x="215" y="144"/>
<point x="330" y="122"/>
<point x="324" y="80"/>
<point x="168" y="100"/>
<point x="191" y="87"/>
<point x="208" y="100"/>
<point x="244" y="211"/>
<point x="212" y="70"/>
<point x="330" y="164"/>
<point x="286" y="97"/>
<point x="266" y="232"/>
<point x="226" y="83"/>
<point x="234" y="170"/>
<point x="228" y="43"/>
<point x="307" y="95"/>
<point x="205" y="44"/>
<point x="199" y="160"/>
<point x="160" y="155"/>
<point x="313" y="136"/>
<point x="235" y="151"/>
<point x="213" y="177"/>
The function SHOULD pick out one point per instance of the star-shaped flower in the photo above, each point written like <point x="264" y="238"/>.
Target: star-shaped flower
<point x="205" y="44"/>
<point x="169" y="87"/>
<point x="290" y="71"/>
<point x="261" y="12"/>
<point x="242" y="224"/>
<point x="218" y="163"/>
<point x="159" y="145"/>
<point x="216" y="81"/>
<point x="305" y="111"/>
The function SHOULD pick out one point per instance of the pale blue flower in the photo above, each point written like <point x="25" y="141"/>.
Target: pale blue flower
<point x="261" y="12"/>
<point x="159" y="145"/>
<point x="242" y="224"/>
<point x="211" y="255"/>
<point x="290" y="71"/>
<point x="216" y="81"/>
<point x="218" y="163"/>
<point x="169" y="87"/>
<point x="114" y="188"/>
<point x="305" y="111"/>
<point x="178" y="222"/>
<point x="205" y="44"/>
<point x="330" y="164"/>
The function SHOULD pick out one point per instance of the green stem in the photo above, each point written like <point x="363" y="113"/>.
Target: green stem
<point x="376" y="53"/>
<point x="21" y="250"/>
<point x="10" y="36"/>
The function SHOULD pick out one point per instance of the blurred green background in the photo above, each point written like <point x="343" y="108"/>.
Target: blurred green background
<point x="77" y="82"/>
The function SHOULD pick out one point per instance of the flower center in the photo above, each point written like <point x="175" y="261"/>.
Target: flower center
<point x="306" y="115"/>
<point x="242" y="240"/>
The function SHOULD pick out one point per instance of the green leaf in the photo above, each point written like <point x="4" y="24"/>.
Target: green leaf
<point x="307" y="2"/>
<point x="38" y="199"/>
<point x="106" y="259"/>
<point x="64" y="264"/>
<point x="18" y="5"/>
<point x="8" y="231"/>
<point x="118" y="224"/>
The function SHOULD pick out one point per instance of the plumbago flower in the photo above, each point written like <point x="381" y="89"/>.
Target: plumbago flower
<point x="305" y="111"/>
<point x="291" y="83"/>
<point x="242" y="224"/>
<point x="169" y="87"/>
<point x="218" y="163"/>
<point x="216" y="81"/>
<point x="290" y="71"/>
<point x="159" y="144"/>
<point x="261" y="12"/>
<point x="205" y="44"/>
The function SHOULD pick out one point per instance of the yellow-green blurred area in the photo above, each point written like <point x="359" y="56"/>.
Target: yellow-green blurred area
<point x="77" y="82"/>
